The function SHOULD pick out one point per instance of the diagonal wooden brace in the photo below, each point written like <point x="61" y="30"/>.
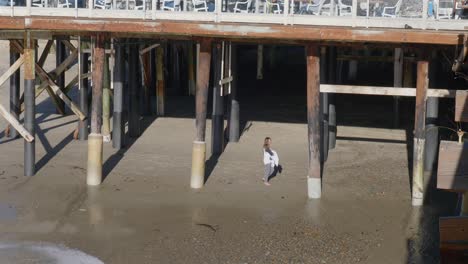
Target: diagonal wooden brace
<point x="12" y="69"/>
<point x="16" y="124"/>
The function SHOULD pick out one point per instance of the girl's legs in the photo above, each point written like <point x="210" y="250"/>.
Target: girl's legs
<point x="268" y="171"/>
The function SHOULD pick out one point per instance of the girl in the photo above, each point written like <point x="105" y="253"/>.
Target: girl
<point x="270" y="160"/>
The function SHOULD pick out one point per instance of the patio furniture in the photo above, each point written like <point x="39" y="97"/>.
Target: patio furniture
<point x="272" y="7"/>
<point x="242" y="6"/>
<point x="392" y="11"/>
<point x="318" y="8"/>
<point x="200" y="6"/>
<point x="171" y="5"/>
<point x="444" y="10"/>
<point x="102" y="4"/>
<point x="344" y="9"/>
<point x="37" y="3"/>
<point x="63" y="4"/>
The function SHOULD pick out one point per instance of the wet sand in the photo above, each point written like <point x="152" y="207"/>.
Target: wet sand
<point x="145" y="211"/>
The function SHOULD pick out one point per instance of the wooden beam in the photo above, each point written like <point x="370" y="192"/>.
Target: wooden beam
<point x="314" y="182"/>
<point x="16" y="124"/>
<point x="452" y="171"/>
<point x="453" y="240"/>
<point x="145" y="50"/>
<point x="461" y="106"/>
<point x="382" y="90"/>
<point x="13" y="68"/>
<point x="45" y="52"/>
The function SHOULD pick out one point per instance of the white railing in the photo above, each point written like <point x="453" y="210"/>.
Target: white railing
<point x="425" y="14"/>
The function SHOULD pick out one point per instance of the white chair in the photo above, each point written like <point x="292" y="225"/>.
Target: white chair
<point x="271" y="7"/>
<point x="392" y="11"/>
<point x="102" y="4"/>
<point x="137" y="4"/>
<point x="37" y="3"/>
<point x="242" y="6"/>
<point x="63" y="4"/>
<point x="200" y="6"/>
<point x="344" y="10"/>
<point x="444" y="10"/>
<point x="319" y="8"/>
<point x="171" y="5"/>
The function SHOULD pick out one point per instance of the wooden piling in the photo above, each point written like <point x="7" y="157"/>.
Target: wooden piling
<point x="60" y="55"/>
<point x="234" y="114"/>
<point x="332" y="79"/>
<point x="29" y="104"/>
<point x="133" y="102"/>
<point x="94" y="172"/>
<point x="201" y="99"/>
<point x="84" y="87"/>
<point x="106" y="99"/>
<point x="118" y="128"/>
<point x="15" y="105"/>
<point x="160" y="81"/>
<point x="314" y="184"/>
<point x="397" y="82"/>
<point x="419" y="133"/>
<point x="431" y="149"/>
<point x="217" y="119"/>
<point x="259" y="62"/>
<point x="191" y="68"/>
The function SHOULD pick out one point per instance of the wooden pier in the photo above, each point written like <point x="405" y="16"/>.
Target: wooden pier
<point x="88" y="32"/>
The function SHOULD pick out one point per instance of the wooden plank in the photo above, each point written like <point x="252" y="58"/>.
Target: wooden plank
<point x="45" y="53"/>
<point x="145" y="50"/>
<point x="452" y="172"/>
<point x="381" y="90"/>
<point x="69" y="45"/>
<point x="16" y="124"/>
<point x="453" y="240"/>
<point x="12" y="70"/>
<point x="461" y="106"/>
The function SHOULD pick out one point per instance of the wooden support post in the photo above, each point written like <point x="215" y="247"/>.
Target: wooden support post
<point x="106" y="98"/>
<point x="353" y="67"/>
<point x="134" y="113"/>
<point x="146" y="77"/>
<point x="234" y="115"/>
<point x="199" y="145"/>
<point x="217" y="119"/>
<point x="60" y="55"/>
<point x="94" y="172"/>
<point x="191" y="69"/>
<point x="160" y="89"/>
<point x="332" y="79"/>
<point x="259" y="62"/>
<point x="419" y="133"/>
<point x="30" y="105"/>
<point x="324" y="78"/>
<point x="84" y="87"/>
<point x="14" y="91"/>
<point x="397" y="82"/>
<point x="175" y="78"/>
<point x="314" y="182"/>
<point x="118" y="128"/>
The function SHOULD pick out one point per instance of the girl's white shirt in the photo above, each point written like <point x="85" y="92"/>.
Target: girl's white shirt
<point x="271" y="159"/>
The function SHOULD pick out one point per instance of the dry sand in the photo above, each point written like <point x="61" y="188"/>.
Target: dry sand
<point x="145" y="211"/>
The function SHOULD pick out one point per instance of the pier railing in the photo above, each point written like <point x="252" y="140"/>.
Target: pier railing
<point x="416" y="14"/>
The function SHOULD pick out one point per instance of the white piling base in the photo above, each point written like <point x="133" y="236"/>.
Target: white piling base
<point x="197" y="178"/>
<point x="417" y="199"/>
<point x="314" y="188"/>
<point x="94" y="172"/>
<point x="106" y="138"/>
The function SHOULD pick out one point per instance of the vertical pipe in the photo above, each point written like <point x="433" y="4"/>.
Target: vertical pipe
<point x="397" y="82"/>
<point x="260" y="62"/>
<point x="84" y="69"/>
<point x="332" y="79"/>
<point x="106" y="98"/>
<point x="217" y="126"/>
<point x="133" y="104"/>
<point x="160" y="81"/>
<point x="14" y="91"/>
<point x="152" y="90"/>
<point x="29" y="104"/>
<point x="118" y="128"/>
<point x="419" y="133"/>
<point x="432" y="134"/>
<point x="94" y="172"/>
<point x="201" y="99"/>
<point x="324" y="78"/>
<point x="234" y="116"/>
<point x="314" y="182"/>
<point x="60" y="55"/>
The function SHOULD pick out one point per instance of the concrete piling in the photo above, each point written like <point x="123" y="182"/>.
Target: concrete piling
<point x="234" y="114"/>
<point x="60" y="55"/>
<point x="84" y="87"/>
<point x="217" y="126"/>
<point x="95" y="148"/>
<point x="160" y="84"/>
<point x="201" y="98"/>
<point x="133" y="85"/>
<point x="118" y="128"/>
<point x="106" y="99"/>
